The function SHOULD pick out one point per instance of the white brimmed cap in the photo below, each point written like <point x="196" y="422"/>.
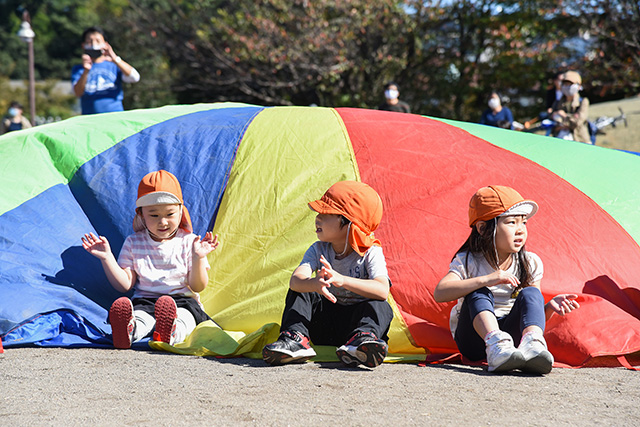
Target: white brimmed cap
<point x="526" y="208"/>
<point x="158" y="198"/>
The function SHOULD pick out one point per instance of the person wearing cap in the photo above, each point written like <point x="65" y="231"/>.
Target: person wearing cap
<point x="344" y="304"/>
<point x="14" y="120"/>
<point x="163" y="261"/>
<point x="571" y="112"/>
<point x="497" y="285"/>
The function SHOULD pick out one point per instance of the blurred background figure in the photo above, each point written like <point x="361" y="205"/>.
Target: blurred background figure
<point x="496" y="115"/>
<point x="554" y="93"/>
<point x="392" y="101"/>
<point x="14" y="120"/>
<point x="98" y="80"/>
<point x="571" y="112"/>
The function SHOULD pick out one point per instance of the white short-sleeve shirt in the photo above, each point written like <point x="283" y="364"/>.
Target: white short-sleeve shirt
<point x="162" y="267"/>
<point x="476" y="265"/>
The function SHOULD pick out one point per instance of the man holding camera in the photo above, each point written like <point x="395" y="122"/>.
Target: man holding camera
<point x="98" y="81"/>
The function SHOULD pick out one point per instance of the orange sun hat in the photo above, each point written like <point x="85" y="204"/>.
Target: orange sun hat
<point x="498" y="200"/>
<point x="360" y="204"/>
<point x="160" y="188"/>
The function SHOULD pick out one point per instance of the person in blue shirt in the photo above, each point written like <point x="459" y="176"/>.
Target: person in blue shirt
<point x="98" y="80"/>
<point x="496" y="114"/>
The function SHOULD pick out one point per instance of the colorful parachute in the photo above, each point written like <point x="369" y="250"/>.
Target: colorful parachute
<point x="248" y="172"/>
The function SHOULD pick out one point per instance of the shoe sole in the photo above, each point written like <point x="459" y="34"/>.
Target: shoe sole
<point x="273" y="357"/>
<point x="539" y="364"/>
<point x="120" y="317"/>
<point x="370" y="354"/>
<point x="346" y="358"/>
<point x="165" y="313"/>
<point x="515" y="361"/>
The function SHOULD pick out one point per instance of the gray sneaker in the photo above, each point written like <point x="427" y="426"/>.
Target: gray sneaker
<point x="537" y="359"/>
<point x="502" y="356"/>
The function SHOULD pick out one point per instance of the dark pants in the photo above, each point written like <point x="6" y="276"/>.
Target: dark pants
<point x="326" y="323"/>
<point x="528" y="310"/>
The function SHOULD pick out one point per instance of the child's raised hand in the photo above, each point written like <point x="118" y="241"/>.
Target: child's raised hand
<point x="504" y="277"/>
<point x="97" y="246"/>
<point x="328" y="277"/>
<point x="564" y="303"/>
<point x="204" y="247"/>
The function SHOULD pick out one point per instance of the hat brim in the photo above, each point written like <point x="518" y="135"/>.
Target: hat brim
<point x="527" y="208"/>
<point x="324" y="208"/>
<point x="158" y="198"/>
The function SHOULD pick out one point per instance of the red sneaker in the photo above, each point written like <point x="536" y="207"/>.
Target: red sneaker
<point x="122" y="322"/>
<point x="166" y="313"/>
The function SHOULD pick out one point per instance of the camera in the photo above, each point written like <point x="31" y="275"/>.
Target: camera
<point x="93" y="53"/>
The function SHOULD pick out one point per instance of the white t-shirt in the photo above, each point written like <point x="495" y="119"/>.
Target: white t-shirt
<point x="369" y="266"/>
<point x="476" y="266"/>
<point x="162" y="267"/>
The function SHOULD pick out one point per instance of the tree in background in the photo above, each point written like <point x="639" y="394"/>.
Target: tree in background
<point x="276" y="52"/>
<point x="613" y="63"/>
<point x="445" y="55"/>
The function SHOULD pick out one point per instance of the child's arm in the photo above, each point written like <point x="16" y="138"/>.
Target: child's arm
<point x="301" y="281"/>
<point x="451" y="287"/>
<point x="376" y="288"/>
<point x="121" y="279"/>
<point x="561" y="304"/>
<point x="198" y="277"/>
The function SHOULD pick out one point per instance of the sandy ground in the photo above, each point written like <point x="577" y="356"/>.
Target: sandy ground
<point x="51" y="386"/>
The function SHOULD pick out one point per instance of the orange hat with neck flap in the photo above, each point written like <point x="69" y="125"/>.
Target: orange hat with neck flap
<point x="160" y="188"/>
<point x="360" y="204"/>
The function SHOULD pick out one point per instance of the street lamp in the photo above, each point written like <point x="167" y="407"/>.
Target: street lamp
<point x="26" y="34"/>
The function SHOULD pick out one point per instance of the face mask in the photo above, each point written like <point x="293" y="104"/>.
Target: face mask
<point x="94" y="51"/>
<point x="13" y="112"/>
<point x="494" y="103"/>
<point x="570" y="90"/>
<point x="391" y="94"/>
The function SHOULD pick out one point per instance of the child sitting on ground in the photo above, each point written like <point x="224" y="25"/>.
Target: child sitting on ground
<point x="164" y="262"/>
<point x="345" y="303"/>
<point x="497" y="285"/>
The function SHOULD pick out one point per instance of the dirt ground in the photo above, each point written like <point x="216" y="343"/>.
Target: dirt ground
<point x="51" y="386"/>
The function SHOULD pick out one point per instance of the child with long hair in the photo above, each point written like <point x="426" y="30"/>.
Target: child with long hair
<point x="497" y="285"/>
<point x="163" y="261"/>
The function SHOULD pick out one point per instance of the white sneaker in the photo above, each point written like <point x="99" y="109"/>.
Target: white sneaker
<point x="501" y="353"/>
<point x="538" y="360"/>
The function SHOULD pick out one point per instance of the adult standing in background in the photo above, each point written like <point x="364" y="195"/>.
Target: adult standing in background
<point x="554" y="93"/>
<point x="572" y="111"/>
<point x="392" y="101"/>
<point x="98" y="80"/>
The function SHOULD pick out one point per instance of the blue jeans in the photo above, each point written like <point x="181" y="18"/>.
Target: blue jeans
<point x="528" y="310"/>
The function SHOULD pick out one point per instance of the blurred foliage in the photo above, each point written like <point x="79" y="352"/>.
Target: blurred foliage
<point x="50" y="101"/>
<point x="445" y="55"/>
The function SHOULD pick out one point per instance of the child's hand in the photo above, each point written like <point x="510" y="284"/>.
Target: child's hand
<point x="97" y="246"/>
<point x="202" y="248"/>
<point x="504" y="277"/>
<point x="564" y="303"/>
<point x="327" y="277"/>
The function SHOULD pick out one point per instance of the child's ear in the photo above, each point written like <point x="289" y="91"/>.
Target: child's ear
<point x="480" y="226"/>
